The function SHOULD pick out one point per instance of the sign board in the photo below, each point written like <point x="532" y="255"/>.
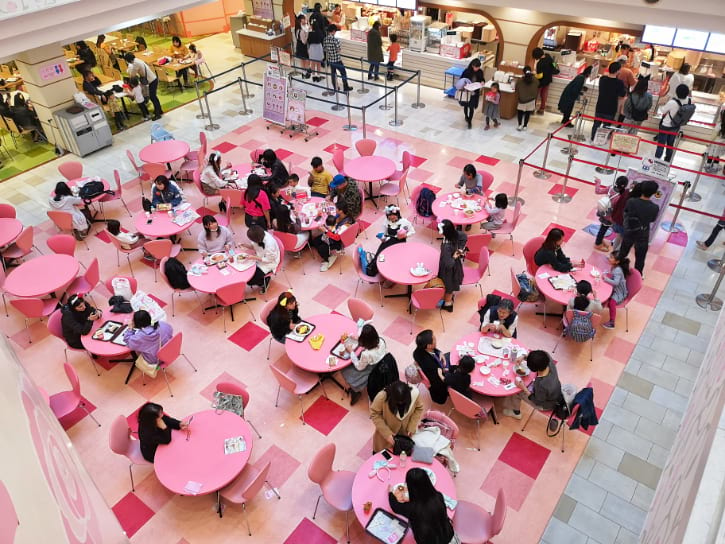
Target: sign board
<point x="296" y="107"/>
<point x="601" y="138"/>
<point x="275" y="98"/>
<point x="624" y="143"/>
<point x="263" y="9"/>
<point x="567" y="72"/>
<point x="53" y="71"/>
<point x="662" y="197"/>
<point x="285" y="22"/>
<point x="274" y="54"/>
<point x="284" y="58"/>
<point x="9" y="9"/>
<point x="655" y="167"/>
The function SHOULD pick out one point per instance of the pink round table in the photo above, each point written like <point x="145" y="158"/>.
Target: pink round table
<point x="366" y="489"/>
<point x="74" y="182"/>
<point x="400" y="258"/>
<point x="213" y="280"/>
<point x="332" y="326"/>
<point x="369" y="169"/>
<point x="300" y="204"/>
<point x="442" y="210"/>
<point x="10" y="229"/>
<point x="485" y="387"/>
<point x="101" y="348"/>
<point x="32" y="278"/>
<point x="201" y="458"/>
<point x="164" y="152"/>
<point x="602" y="289"/>
<point x="162" y="225"/>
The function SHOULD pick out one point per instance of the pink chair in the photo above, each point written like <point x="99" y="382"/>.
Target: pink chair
<point x="62" y="244"/>
<point x="263" y="315"/>
<point x="233" y="196"/>
<point x="338" y="159"/>
<point x="133" y="283"/>
<point x="336" y="485"/>
<point x="269" y="275"/>
<point x="198" y="154"/>
<point x="120" y="249"/>
<point x="366" y="147"/>
<point x="117" y="196"/>
<point x="247" y="486"/>
<point x="486" y="180"/>
<point x="362" y="276"/>
<point x="347" y="238"/>
<point x="294" y="380"/>
<point x="596" y="320"/>
<point x="159" y="249"/>
<point x="9" y="521"/>
<point x="474" y="525"/>
<point x="394" y="189"/>
<point x="22" y="246"/>
<point x="141" y="174"/>
<point x="239" y="390"/>
<point x="71" y="170"/>
<point x="547" y="415"/>
<point x="174" y="290"/>
<point x="67" y="402"/>
<point x="634" y="284"/>
<point x="425" y="221"/>
<point x="447" y="426"/>
<point x="290" y="244"/>
<point x="256" y="155"/>
<point x="225" y="219"/>
<point x="474" y="276"/>
<point x="7" y="211"/>
<point x="474" y="244"/>
<point x="229" y="295"/>
<point x="508" y="227"/>
<point x="530" y="249"/>
<point x="63" y="222"/>
<point x="426" y="299"/>
<point x="33" y="308"/>
<point x="359" y="309"/>
<point x="406" y="162"/>
<point x="121" y="443"/>
<point x="3" y="276"/>
<point x="83" y="285"/>
<point x="168" y="353"/>
<point x="196" y="178"/>
<point x="55" y="328"/>
<point x="472" y="410"/>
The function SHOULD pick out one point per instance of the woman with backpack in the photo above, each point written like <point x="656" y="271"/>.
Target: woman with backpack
<point x="450" y="264"/>
<point x="637" y="105"/>
<point x="373" y="349"/>
<point x="610" y="210"/>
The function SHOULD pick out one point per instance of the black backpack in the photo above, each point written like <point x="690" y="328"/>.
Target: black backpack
<point x="424" y="203"/>
<point x="684" y="114"/>
<point x="176" y="273"/>
<point x="383" y="374"/>
<point x="91" y="190"/>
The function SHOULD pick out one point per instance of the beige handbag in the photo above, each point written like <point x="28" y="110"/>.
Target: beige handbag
<point x="147" y="368"/>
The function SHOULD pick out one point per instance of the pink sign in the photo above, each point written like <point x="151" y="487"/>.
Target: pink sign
<point x="53" y="71"/>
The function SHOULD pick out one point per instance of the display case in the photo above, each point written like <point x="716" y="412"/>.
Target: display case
<point x="436" y="32"/>
<point x="418" y="32"/>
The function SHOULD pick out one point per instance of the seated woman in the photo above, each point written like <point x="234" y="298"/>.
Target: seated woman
<point x="505" y="315"/>
<point x="543" y="393"/>
<point x="284" y="316"/>
<point x="146" y="338"/>
<point x="278" y="172"/>
<point x="397" y="409"/>
<point x="154" y="428"/>
<point x="583" y="290"/>
<point x="276" y="202"/>
<point x="424" y="507"/>
<point x="330" y="239"/>
<point x="373" y="350"/>
<point x="266" y="254"/>
<point x="212" y="178"/>
<point x="459" y="377"/>
<point x="433" y="364"/>
<point x="165" y="192"/>
<point x="76" y="320"/>
<point x="214" y="238"/>
<point x="64" y="201"/>
<point x="471" y="180"/>
<point x="256" y="204"/>
<point x="289" y="223"/>
<point x="128" y="240"/>
<point x="397" y="229"/>
<point x="551" y="253"/>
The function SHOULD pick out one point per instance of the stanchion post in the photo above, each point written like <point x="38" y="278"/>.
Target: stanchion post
<point x="578" y="131"/>
<point x="212" y="125"/>
<point x="395" y="122"/>
<point x="246" y="85"/>
<point x="337" y="106"/>
<point x="569" y="149"/>
<point x="693" y="196"/>
<point x="417" y="104"/>
<point x="513" y="199"/>
<point x="362" y="89"/>
<point x="711" y="301"/>
<point x="384" y="106"/>
<point x="672" y="226"/>
<point x="562" y="197"/>
<point x="365" y="126"/>
<point x="201" y="115"/>
<point x="329" y="91"/>
<point x="541" y="173"/>
<point x="605" y="169"/>
<point x="349" y="126"/>
<point x="715" y="264"/>
<point x="244" y="110"/>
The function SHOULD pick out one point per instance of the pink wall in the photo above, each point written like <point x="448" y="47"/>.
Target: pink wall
<point x="209" y="18"/>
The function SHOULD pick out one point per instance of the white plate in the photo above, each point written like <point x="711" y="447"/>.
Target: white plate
<point x="485" y="370"/>
<point x="302" y="332"/>
<point x="496" y="344"/>
<point x="217" y="258"/>
<point x="419" y="273"/>
<point x="524" y="368"/>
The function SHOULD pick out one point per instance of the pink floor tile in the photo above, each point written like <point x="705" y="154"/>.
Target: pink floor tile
<point x="648" y="296"/>
<point x="679" y="238"/>
<point x="602" y="391"/>
<point x="316" y="121"/>
<point x="416" y="161"/>
<point x="76" y="415"/>
<point x="505" y="187"/>
<point x="433" y="188"/>
<point x="242" y="129"/>
<point x="664" y="265"/>
<point x="103" y="236"/>
<point x="619" y="350"/>
<point x="252" y="144"/>
<point x="309" y="533"/>
<point x="459" y="162"/>
<point x="132" y="513"/>
<point x="152" y="493"/>
<point x="224" y="147"/>
<point x="283" y="465"/>
<point x="209" y="390"/>
<point x="334" y="147"/>
<point x="524" y="455"/>
<point x="37" y="331"/>
<point x="365" y="451"/>
<point x="419" y="174"/>
<point x="516" y="485"/>
<point x="399" y="329"/>
<point x="491" y="161"/>
<point x="556" y="189"/>
<point x="332" y="296"/>
<point x="324" y="415"/>
<point x="282" y="154"/>
<point x="154" y="386"/>
<point x="568" y="232"/>
<point x="248" y="335"/>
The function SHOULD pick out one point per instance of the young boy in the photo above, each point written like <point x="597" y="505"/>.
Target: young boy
<point x="320" y="179"/>
<point x="393" y="52"/>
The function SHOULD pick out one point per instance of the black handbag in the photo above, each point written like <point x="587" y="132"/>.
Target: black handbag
<point x="402" y="444"/>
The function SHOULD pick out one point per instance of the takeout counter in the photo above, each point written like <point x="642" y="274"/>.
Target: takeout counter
<point x="258" y="44"/>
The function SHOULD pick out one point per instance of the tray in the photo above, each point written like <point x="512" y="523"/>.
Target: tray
<point x="111" y="330"/>
<point x="340" y="352"/>
<point x="562" y="282"/>
<point x="292" y="335"/>
<point x="386" y="527"/>
<point x="241" y="266"/>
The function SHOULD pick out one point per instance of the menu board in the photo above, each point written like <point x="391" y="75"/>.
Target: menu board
<point x="716" y="43"/>
<point x="690" y="39"/>
<point x="660" y="35"/>
<point x="263" y="9"/>
<point x="275" y="98"/>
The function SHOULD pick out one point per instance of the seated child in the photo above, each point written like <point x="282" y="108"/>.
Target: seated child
<point x="496" y="213"/>
<point x="472" y="180"/>
<point x="320" y="179"/>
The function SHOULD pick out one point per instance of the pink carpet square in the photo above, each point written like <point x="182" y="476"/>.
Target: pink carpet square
<point x="505" y="187"/>
<point x="678" y="238"/>
<point x="76" y="415"/>
<point x="103" y="236"/>
<point x="649" y="296"/>
<point x="309" y="533"/>
<point x="253" y="144"/>
<point x="366" y="450"/>
<point x="619" y="350"/>
<point x="491" y="161"/>
<point x="224" y="147"/>
<point x="419" y="174"/>
<point x="208" y="391"/>
<point x="132" y="513"/>
<point x="602" y="391"/>
<point x="317" y="121"/>
<point x="416" y="161"/>
<point x="248" y="336"/>
<point x="282" y="154"/>
<point x="399" y="329"/>
<point x="332" y="296"/>
<point x="324" y="415"/>
<point x="283" y="465"/>
<point x="524" y="455"/>
<point x="154" y="386"/>
<point x="664" y="265"/>
<point x="459" y="162"/>
<point x="556" y="189"/>
<point x="568" y="232"/>
<point x="152" y="492"/>
<point x="334" y="147"/>
<point x="202" y="212"/>
<point x="37" y="331"/>
<point x="433" y="188"/>
<point x="515" y="485"/>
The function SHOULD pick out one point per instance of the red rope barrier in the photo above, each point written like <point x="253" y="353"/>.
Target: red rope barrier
<point x="558" y="173"/>
<point x="708" y="214"/>
<point x="639" y="127"/>
<point x="600" y="164"/>
<point x="536" y="148"/>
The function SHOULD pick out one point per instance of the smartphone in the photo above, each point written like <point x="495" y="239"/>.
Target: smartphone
<point x="387" y="455"/>
<point x="149" y="221"/>
<point x="188" y="423"/>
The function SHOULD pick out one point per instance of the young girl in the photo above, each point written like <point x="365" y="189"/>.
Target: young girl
<point x="492" y="99"/>
<point x="284" y="316"/>
<point x="136" y="93"/>
<point x="617" y="278"/>
<point x="198" y="58"/>
<point x="114" y="107"/>
<point x="614" y="217"/>
<point x="496" y="213"/>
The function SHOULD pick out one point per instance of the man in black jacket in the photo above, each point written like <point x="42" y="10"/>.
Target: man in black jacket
<point x="545" y="74"/>
<point x="638" y="214"/>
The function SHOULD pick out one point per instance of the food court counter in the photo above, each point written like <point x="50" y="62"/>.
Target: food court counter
<point x="258" y="44"/>
<point x="431" y="66"/>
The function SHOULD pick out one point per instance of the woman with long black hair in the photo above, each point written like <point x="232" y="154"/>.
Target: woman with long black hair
<point x="474" y="74"/>
<point x="256" y="203"/>
<point x="450" y="264"/>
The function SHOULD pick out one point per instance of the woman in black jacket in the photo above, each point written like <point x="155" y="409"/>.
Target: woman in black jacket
<point x="571" y="94"/>
<point x="474" y="73"/>
<point x="284" y="316"/>
<point x="424" y="507"/>
<point x="76" y="320"/>
<point x="433" y="363"/>
<point x="154" y="428"/>
<point x="279" y="175"/>
<point x="550" y="252"/>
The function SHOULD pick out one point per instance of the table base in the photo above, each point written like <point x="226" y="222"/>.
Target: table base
<point x="408" y="294"/>
<point x="371" y="197"/>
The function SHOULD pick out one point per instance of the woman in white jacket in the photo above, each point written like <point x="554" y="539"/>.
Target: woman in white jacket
<point x="212" y="178"/>
<point x="266" y="254"/>
<point x="373" y="351"/>
<point x="64" y="201"/>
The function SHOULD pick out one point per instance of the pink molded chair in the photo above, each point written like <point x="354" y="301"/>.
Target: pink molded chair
<point x="294" y="380"/>
<point x="67" y="402"/>
<point x="425" y="221"/>
<point x="9" y="521"/>
<point x="62" y="244"/>
<point x="362" y="276"/>
<point x="426" y="299"/>
<point x="472" y="410"/>
<point x="247" y="486"/>
<point x="133" y="283"/>
<point x="347" y="238"/>
<point x="530" y="249"/>
<point x="263" y="315"/>
<point x="168" y="353"/>
<point x="547" y="415"/>
<point x="474" y="244"/>
<point x="120" y="249"/>
<point x="3" y="276"/>
<point x="290" y="244"/>
<point x="394" y="188"/>
<point x="238" y="389"/>
<point x="63" y="221"/>
<point x="34" y="308"/>
<point x="71" y="170"/>
<point x="474" y="276"/>
<point x="83" y="285"/>
<point x="55" y="328"/>
<point x="7" y="211"/>
<point x="159" y="249"/>
<point x="359" y="309"/>
<point x="256" y="155"/>
<point x="117" y="196"/>
<point x="336" y="485"/>
<point x="174" y="290"/>
<point x="366" y="147"/>
<point x="474" y="525"/>
<point x="198" y="154"/>
<point x="233" y="196"/>
<point x="595" y="319"/>
<point x="141" y="174"/>
<point x="196" y="178"/>
<point x="510" y="225"/>
<point x="634" y="284"/>
<point x="121" y="443"/>
<point x="486" y="180"/>
<point x="229" y="295"/>
<point x="22" y="246"/>
<point x="447" y="426"/>
<point x="406" y="162"/>
<point x="338" y="159"/>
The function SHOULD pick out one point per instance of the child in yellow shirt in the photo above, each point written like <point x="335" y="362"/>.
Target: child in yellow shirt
<point x="320" y="179"/>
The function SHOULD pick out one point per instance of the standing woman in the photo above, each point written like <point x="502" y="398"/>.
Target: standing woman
<point x="373" y="351"/>
<point x="146" y="338"/>
<point x="64" y="201"/>
<point x="474" y="74"/>
<point x="450" y="265"/>
<point x="375" y="51"/>
<point x="571" y="94"/>
<point x="256" y="203"/>
<point x="397" y="409"/>
<point x="302" y="31"/>
<point x="527" y="89"/>
<point x="637" y="106"/>
<point x="318" y="26"/>
<point x="284" y="316"/>
<point x="266" y="254"/>
<point x="154" y="428"/>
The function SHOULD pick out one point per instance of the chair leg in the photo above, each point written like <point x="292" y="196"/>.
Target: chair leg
<point x="626" y="319"/>
<point x="5" y="303"/>
<point x="246" y="517"/>
<point x="478" y="434"/>
<point x="347" y="525"/>
<point x="316" y="505"/>
<point x="130" y="473"/>
<point x="188" y="361"/>
<point x="173" y="306"/>
<point x="563" y="432"/>
<point x="412" y="323"/>
<point x="357" y="286"/>
<point x="92" y="362"/>
<point x="253" y="427"/>
<point x="440" y="313"/>
<point x="250" y="310"/>
<point x="83" y="405"/>
<point x="302" y="414"/>
<point x="163" y="370"/>
<point x="274" y="490"/>
<point x="219" y="504"/>
<point x="591" y="349"/>
<point x="276" y="401"/>
<point x="527" y="419"/>
<point x="125" y="206"/>
<point x="30" y="339"/>
<point x="269" y="348"/>
<point x="558" y="340"/>
<point x="198" y="300"/>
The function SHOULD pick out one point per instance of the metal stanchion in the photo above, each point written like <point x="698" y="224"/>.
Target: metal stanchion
<point x="395" y="122"/>
<point x="417" y="104"/>
<point x="710" y="301"/>
<point x="244" y="110"/>
<point x="674" y="226"/>
<point x="362" y="89"/>
<point x="605" y="169"/>
<point x="541" y="173"/>
<point x="569" y="149"/>
<point x="693" y="196"/>
<point x="337" y="106"/>
<point x="201" y="115"/>
<point x="579" y="124"/>
<point x="247" y="94"/>
<point x="384" y="105"/>
<point x="715" y="264"/>
<point x="294" y="71"/>
<point x="562" y="197"/>
<point x="349" y="126"/>
<point x="212" y="125"/>
<point x="365" y="127"/>
<point x="513" y="199"/>
<point x="329" y="91"/>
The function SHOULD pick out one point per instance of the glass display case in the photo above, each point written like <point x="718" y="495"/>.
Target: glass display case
<point x="418" y="32"/>
<point x="436" y="31"/>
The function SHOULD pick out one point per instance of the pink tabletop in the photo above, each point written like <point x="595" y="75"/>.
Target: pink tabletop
<point x="164" y="152"/>
<point x="214" y="279"/>
<point x="442" y="210"/>
<point x="32" y="278"/>
<point x="488" y="388"/>
<point x="106" y="349"/>
<point x="369" y="168"/>
<point x="602" y="289"/>
<point x="400" y="258"/>
<point x="374" y="490"/>
<point x="306" y="205"/>
<point x="162" y="225"/>
<point x="332" y="326"/>
<point x="10" y="229"/>
<point x="201" y="458"/>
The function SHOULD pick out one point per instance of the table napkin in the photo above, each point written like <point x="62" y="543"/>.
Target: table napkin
<point x="450" y="503"/>
<point x="543" y="275"/>
<point x="193" y="487"/>
<point x="235" y="444"/>
<point x="493" y="380"/>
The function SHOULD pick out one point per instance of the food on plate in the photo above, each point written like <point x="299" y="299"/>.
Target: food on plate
<point x="98" y="335"/>
<point x="217" y="257"/>
<point x="469" y="212"/>
<point x="302" y="328"/>
<point x="521" y="371"/>
<point x="496" y="344"/>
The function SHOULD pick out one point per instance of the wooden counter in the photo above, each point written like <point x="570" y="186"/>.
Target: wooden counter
<point x="257" y="44"/>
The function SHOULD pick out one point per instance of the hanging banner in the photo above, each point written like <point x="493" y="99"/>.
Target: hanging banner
<point x="662" y="197"/>
<point x="275" y="98"/>
<point x="296" y="107"/>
